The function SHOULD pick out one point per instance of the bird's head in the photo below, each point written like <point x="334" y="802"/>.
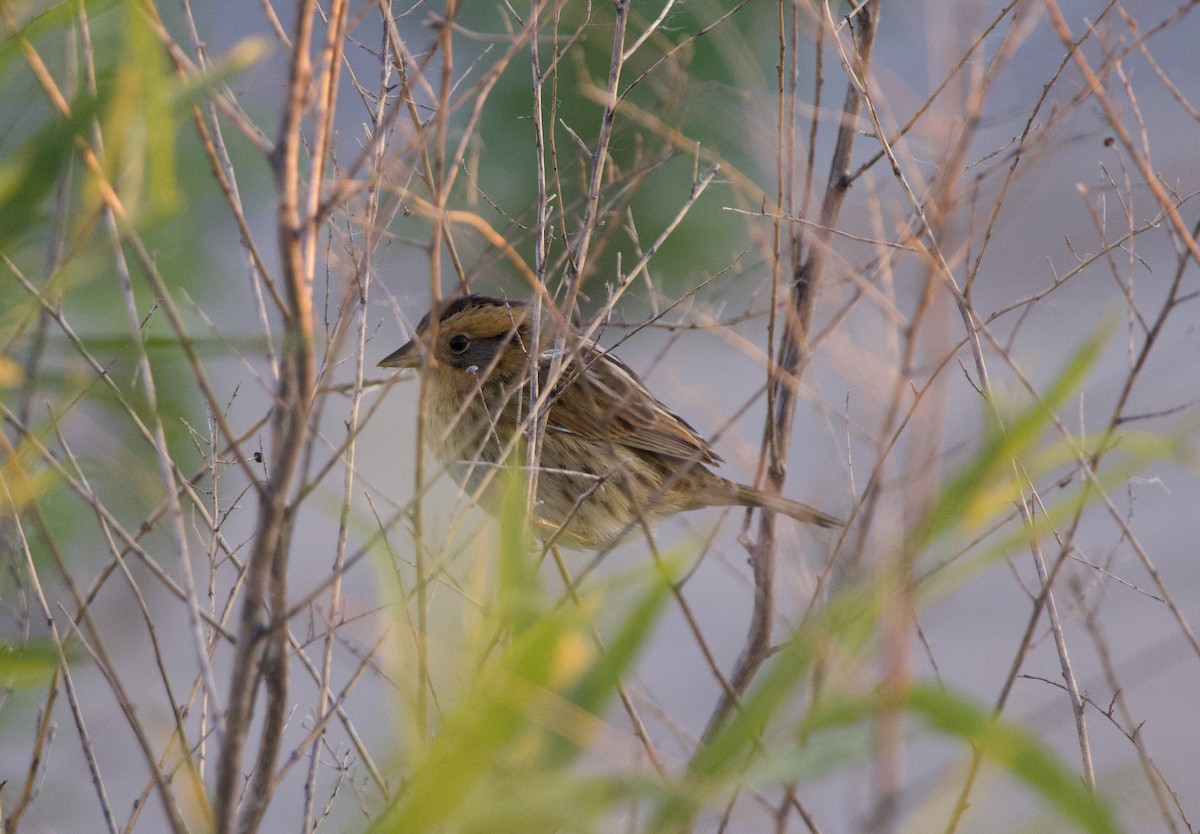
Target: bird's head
<point x="474" y="334"/>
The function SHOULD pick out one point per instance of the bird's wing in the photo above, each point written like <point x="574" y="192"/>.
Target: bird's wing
<point x="600" y="398"/>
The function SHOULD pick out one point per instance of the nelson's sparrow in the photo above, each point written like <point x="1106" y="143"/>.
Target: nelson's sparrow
<point x="612" y="457"/>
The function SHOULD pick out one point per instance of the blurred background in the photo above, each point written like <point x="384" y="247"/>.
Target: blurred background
<point x="144" y="330"/>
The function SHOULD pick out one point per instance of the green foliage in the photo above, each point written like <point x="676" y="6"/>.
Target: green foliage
<point x="985" y="484"/>
<point x="515" y="744"/>
<point x="501" y="760"/>
<point x="702" y="93"/>
<point x="90" y="124"/>
<point x="28" y="176"/>
<point x="1026" y="447"/>
<point x="51" y="20"/>
<point x="509" y="757"/>
<point x="28" y="665"/>
<point x="57" y="175"/>
<point x="1014" y="749"/>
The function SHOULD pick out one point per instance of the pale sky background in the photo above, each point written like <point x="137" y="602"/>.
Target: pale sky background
<point x="972" y="632"/>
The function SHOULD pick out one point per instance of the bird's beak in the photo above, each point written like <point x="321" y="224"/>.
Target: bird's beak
<point x="408" y="356"/>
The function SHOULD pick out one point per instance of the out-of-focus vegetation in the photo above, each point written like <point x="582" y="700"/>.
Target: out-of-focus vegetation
<point x="236" y="594"/>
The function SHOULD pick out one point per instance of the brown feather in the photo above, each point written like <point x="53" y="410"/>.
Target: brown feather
<point x="600" y="398"/>
<point x="613" y="456"/>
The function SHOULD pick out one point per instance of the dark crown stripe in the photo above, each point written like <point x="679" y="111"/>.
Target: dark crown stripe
<point x="465" y="301"/>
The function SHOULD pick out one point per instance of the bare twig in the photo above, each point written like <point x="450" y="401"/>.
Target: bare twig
<point x="790" y="365"/>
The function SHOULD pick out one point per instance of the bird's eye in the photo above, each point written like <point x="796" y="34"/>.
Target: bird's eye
<point x="459" y="343"/>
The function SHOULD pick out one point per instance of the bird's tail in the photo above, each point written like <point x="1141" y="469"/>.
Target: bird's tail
<point x="751" y="497"/>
